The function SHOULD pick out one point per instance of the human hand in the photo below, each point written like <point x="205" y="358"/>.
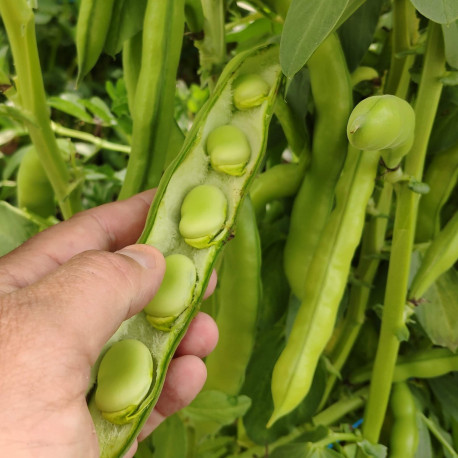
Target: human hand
<point x="63" y="294"/>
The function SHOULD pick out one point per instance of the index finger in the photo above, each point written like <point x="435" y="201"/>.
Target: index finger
<point x="109" y="227"/>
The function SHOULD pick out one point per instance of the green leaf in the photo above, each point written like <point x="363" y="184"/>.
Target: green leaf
<point x="371" y="450"/>
<point x="169" y="439"/>
<point x="16" y="227"/>
<point x="438" y="313"/>
<point x="301" y="450"/>
<point x="17" y="114"/>
<point x="356" y="33"/>
<point x="215" y="447"/>
<point x="441" y="11"/>
<point x="450" y="79"/>
<point x="424" y="448"/>
<point x="100" y="109"/>
<point x="216" y="406"/>
<point x="306" y="26"/>
<point x="72" y="105"/>
<point x="445" y="390"/>
<point x="450" y="32"/>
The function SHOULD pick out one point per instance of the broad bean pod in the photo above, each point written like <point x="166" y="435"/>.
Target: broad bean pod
<point x="330" y="266"/>
<point x="191" y="169"/>
<point x="404" y="433"/>
<point x="426" y="364"/>
<point x="331" y="90"/>
<point x="237" y="300"/>
<point x="153" y="93"/>
<point x="441" y="177"/>
<point x="34" y="191"/>
<point x="91" y="32"/>
<point x="440" y="256"/>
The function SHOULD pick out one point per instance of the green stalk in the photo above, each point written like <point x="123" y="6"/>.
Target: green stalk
<point x="404" y="34"/>
<point x="327" y="417"/>
<point x="212" y="48"/>
<point x="19" y="22"/>
<point x="292" y="126"/>
<point x="404" y="230"/>
<point x="153" y="93"/>
<point x="85" y="136"/>
<point x="403" y="37"/>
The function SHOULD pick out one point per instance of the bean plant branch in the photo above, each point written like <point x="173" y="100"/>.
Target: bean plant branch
<point x="327" y="417"/>
<point x="404" y="37"/>
<point x="403" y="237"/>
<point x="87" y="137"/>
<point x="212" y="48"/>
<point x="19" y="22"/>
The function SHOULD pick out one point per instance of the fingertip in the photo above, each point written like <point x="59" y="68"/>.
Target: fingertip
<point x="201" y="338"/>
<point x="211" y="284"/>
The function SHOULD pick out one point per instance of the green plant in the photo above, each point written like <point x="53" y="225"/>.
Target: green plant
<point x="337" y="120"/>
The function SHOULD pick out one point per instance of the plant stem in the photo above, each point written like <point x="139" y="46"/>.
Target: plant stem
<point x="404" y="35"/>
<point x="213" y="47"/>
<point x="326" y="418"/>
<point x="99" y="142"/>
<point x="335" y="437"/>
<point x="403" y="237"/>
<point x="293" y="128"/>
<point x="19" y="22"/>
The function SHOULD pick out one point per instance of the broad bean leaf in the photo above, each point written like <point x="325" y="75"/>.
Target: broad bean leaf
<point x="303" y="451"/>
<point x="424" y="448"/>
<point x="445" y="390"/>
<point x="16" y="227"/>
<point x="445" y="133"/>
<point x="216" y="406"/>
<point x="215" y="447"/>
<point x="441" y="11"/>
<point x="72" y="105"/>
<point x="450" y="32"/>
<point x="257" y="386"/>
<point x="307" y="24"/>
<point x="100" y="109"/>
<point x="438" y="313"/>
<point x="169" y="440"/>
<point x="357" y="31"/>
<point x="365" y="448"/>
<point x="18" y="114"/>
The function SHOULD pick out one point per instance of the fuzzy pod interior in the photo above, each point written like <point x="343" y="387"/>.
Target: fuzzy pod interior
<point x="192" y="168"/>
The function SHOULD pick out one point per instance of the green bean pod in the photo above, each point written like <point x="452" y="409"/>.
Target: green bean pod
<point x="439" y="257"/>
<point x="441" y="177"/>
<point x="425" y="364"/>
<point x="191" y="169"/>
<point x="404" y="434"/>
<point x="154" y="92"/>
<point x="325" y="284"/>
<point x="331" y="89"/>
<point x="237" y="300"/>
<point x="34" y="191"/>
<point x="91" y="31"/>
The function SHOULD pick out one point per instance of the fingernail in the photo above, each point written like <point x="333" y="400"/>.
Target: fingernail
<point x="144" y="255"/>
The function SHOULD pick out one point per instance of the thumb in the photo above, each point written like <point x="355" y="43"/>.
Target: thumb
<point x="86" y="299"/>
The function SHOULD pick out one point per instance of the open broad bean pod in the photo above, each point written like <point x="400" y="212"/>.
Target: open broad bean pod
<point x="191" y="218"/>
